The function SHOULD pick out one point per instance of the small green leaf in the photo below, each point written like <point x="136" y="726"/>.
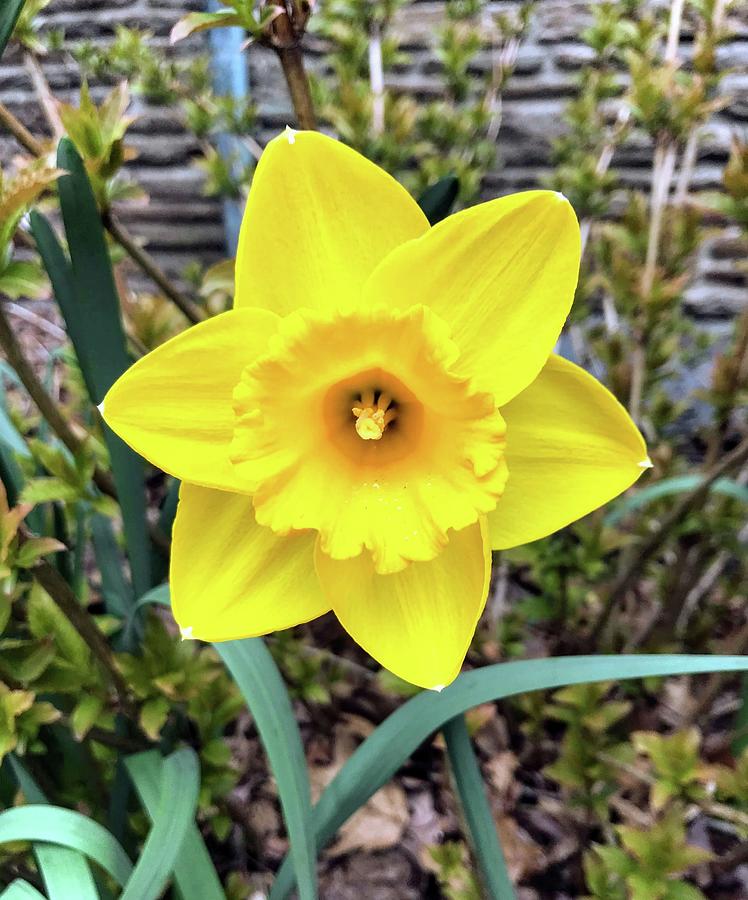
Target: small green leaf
<point x="153" y="715"/>
<point x="201" y="21"/>
<point x="35" y="548"/>
<point x="22" y="278"/>
<point x="85" y="714"/>
<point x="45" y="490"/>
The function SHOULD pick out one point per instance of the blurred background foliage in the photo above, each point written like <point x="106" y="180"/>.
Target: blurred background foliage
<point x="605" y="790"/>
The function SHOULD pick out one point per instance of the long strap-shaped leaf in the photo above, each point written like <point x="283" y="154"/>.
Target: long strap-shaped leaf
<point x="177" y="803"/>
<point x="193" y="870"/>
<point x="86" y="293"/>
<point x="259" y="680"/>
<point x="257" y="676"/>
<point x="54" y="825"/>
<point x="66" y="873"/>
<point x="21" y="890"/>
<point x="387" y="748"/>
<point x="9" y="13"/>
<point x="667" y="487"/>
<point x="476" y="811"/>
<point x="439" y="198"/>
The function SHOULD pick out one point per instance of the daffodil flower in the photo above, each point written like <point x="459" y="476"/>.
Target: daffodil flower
<point x="379" y="410"/>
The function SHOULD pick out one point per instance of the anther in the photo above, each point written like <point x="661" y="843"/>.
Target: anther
<point x="373" y="417"/>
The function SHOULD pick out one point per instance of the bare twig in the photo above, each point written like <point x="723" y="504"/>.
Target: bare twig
<point x="687" y="166"/>
<point x="504" y="64"/>
<point x="29" y="316"/>
<point x="44" y="94"/>
<point x="292" y="63"/>
<point x="19" y="131"/>
<point x="151" y="268"/>
<point x="673" y="33"/>
<point x="636" y="561"/>
<point x="284" y="35"/>
<point x="60" y="591"/>
<point x="376" y="78"/>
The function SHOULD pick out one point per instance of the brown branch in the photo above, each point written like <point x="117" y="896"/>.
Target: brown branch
<point x="292" y="63"/>
<point x="38" y="394"/>
<point x="19" y="131"/>
<point x="151" y="268"/>
<point x="44" y="94"/>
<point x="631" y="569"/>
<point x="284" y="34"/>
<point x="60" y="591"/>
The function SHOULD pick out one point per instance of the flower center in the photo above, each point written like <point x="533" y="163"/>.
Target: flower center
<point x="373" y="413"/>
<point x="395" y="450"/>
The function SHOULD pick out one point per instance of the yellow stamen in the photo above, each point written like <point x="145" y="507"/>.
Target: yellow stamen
<point x="370" y="422"/>
<point x="373" y="415"/>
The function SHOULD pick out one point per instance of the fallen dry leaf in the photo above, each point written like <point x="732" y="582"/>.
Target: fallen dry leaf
<point x="380" y="823"/>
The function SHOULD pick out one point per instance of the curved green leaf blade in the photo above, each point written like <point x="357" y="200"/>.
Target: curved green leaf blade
<point x="87" y="295"/>
<point x="11" y="10"/>
<point x="65" y="872"/>
<point x="21" y="890"/>
<point x="158" y="596"/>
<point x="667" y="487"/>
<point x="55" y="825"/>
<point x="193" y="870"/>
<point x="478" y="817"/>
<point x="257" y="676"/>
<point x="117" y="594"/>
<point x="387" y="748"/>
<point x="175" y="814"/>
<point x="438" y="199"/>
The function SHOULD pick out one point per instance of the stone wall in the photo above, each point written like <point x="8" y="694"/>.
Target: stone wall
<point x="180" y="224"/>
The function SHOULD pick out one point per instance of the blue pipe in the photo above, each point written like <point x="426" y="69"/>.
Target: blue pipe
<point x="230" y="78"/>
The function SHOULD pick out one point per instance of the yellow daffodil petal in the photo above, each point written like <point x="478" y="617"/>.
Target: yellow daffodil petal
<point x="174" y="405"/>
<point x="419" y="622"/>
<point x="319" y="218"/>
<point x="502" y="274"/>
<point x="230" y="577"/>
<point x="354" y="425"/>
<point x="571" y="447"/>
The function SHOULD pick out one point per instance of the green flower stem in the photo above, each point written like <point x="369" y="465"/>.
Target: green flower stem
<point x="476" y="812"/>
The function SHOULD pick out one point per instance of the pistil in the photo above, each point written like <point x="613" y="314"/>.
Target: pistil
<point x="373" y="415"/>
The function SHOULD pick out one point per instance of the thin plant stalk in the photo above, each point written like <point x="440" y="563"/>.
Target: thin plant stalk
<point x="47" y="576"/>
<point x="376" y="79"/>
<point x="633" y="566"/>
<point x="292" y="63"/>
